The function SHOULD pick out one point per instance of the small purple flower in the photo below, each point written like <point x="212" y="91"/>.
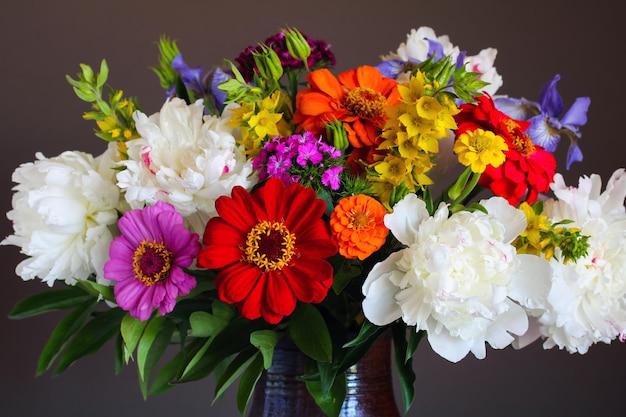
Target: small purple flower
<point x="331" y="177"/>
<point x="308" y="152"/>
<point x="277" y="165"/>
<point x="191" y="77"/>
<point x="147" y="260"/>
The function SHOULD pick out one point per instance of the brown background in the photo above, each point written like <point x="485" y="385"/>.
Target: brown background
<point x="41" y="41"/>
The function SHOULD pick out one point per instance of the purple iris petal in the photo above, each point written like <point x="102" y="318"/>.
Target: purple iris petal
<point x="219" y="76"/>
<point x="191" y="77"/>
<point x="391" y="68"/>
<point x="550" y="99"/>
<point x="517" y="108"/>
<point x="434" y="48"/>
<point x="574" y="154"/>
<point x="576" y="116"/>
<point x="544" y="131"/>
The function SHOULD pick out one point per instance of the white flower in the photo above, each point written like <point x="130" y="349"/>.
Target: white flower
<point x="417" y="48"/>
<point x="185" y="159"/>
<point x="483" y="63"/>
<point x="584" y="302"/>
<point x="452" y="279"/>
<point x="62" y="210"/>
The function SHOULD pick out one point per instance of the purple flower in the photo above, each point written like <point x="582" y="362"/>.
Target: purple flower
<point x="331" y="177"/>
<point x="191" y="77"/>
<point x="147" y="260"/>
<point x="546" y="123"/>
<point x="308" y="152"/>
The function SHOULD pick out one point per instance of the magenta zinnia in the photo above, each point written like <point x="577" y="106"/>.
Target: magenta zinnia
<point x="270" y="248"/>
<point x="147" y="260"/>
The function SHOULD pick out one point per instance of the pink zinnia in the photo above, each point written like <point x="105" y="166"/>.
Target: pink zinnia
<point x="147" y="260"/>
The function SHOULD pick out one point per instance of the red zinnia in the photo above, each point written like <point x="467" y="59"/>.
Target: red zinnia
<point x="528" y="169"/>
<point x="270" y="247"/>
<point x="357" y="98"/>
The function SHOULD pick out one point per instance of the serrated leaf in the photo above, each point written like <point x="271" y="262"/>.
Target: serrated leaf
<point x="234" y="369"/>
<point x="91" y="337"/>
<point x="247" y="383"/>
<point x="308" y="330"/>
<point x="131" y="330"/>
<point x="47" y="301"/>
<point x="265" y="341"/>
<point x="62" y="333"/>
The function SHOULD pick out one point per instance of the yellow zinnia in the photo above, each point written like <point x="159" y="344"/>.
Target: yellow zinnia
<point x="480" y="148"/>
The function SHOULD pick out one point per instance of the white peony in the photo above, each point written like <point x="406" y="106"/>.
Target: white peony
<point x="584" y="302"/>
<point x="183" y="158"/>
<point x="453" y="277"/>
<point x="62" y="210"/>
<point x="483" y="63"/>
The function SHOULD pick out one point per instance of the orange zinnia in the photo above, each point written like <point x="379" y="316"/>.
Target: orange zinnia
<point x="357" y="98"/>
<point x="357" y="225"/>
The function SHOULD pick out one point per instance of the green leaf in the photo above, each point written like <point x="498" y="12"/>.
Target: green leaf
<point x="97" y="290"/>
<point x="119" y="354"/>
<point x="265" y="341"/>
<point x="234" y="369"/>
<point x="47" y="301"/>
<point x="205" y="324"/>
<point x="103" y="75"/>
<point x="131" y="330"/>
<point x="403" y="365"/>
<point x="308" y="330"/>
<point x="62" y="333"/>
<point x="331" y="401"/>
<point x="156" y="336"/>
<point x="163" y="380"/>
<point x="91" y="337"/>
<point x="203" y="359"/>
<point x="247" y="383"/>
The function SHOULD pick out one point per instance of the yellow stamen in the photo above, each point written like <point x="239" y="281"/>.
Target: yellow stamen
<point x="270" y="246"/>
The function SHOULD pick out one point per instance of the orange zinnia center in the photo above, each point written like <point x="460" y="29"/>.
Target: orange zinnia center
<point x="522" y="142"/>
<point x="151" y="262"/>
<point x="365" y="102"/>
<point x="270" y="246"/>
<point x="360" y="219"/>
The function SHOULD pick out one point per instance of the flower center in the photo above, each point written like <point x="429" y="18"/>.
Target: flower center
<point x="522" y="142"/>
<point x="360" y="219"/>
<point x="152" y="262"/>
<point x="365" y="102"/>
<point x="270" y="246"/>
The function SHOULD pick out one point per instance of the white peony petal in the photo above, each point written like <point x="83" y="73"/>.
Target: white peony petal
<point x="406" y="218"/>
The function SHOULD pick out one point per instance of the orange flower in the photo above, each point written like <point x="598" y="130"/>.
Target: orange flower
<point x="357" y="98"/>
<point x="357" y="225"/>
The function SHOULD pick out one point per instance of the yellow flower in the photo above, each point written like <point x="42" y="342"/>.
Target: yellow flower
<point x="264" y="123"/>
<point x="480" y="148"/>
<point x="530" y="241"/>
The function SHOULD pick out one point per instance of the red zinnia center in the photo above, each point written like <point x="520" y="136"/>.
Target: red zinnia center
<point x="151" y="262"/>
<point x="521" y="141"/>
<point x="270" y="246"/>
<point x="365" y="102"/>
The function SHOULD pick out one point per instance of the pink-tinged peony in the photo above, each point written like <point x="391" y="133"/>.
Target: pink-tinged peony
<point x="270" y="249"/>
<point x="147" y="260"/>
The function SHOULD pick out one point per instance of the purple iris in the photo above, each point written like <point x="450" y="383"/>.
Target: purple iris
<point x="546" y="123"/>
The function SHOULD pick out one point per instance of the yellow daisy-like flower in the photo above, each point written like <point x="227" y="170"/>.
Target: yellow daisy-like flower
<point x="480" y="148"/>
<point x="264" y="123"/>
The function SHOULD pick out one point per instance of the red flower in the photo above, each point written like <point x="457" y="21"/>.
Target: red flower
<point x="528" y="169"/>
<point x="270" y="247"/>
<point x="357" y="98"/>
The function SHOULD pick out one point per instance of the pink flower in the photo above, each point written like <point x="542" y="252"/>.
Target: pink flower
<point x="147" y="260"/>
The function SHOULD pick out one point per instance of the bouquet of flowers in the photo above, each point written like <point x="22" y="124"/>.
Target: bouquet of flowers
<point x="270" y="198"/>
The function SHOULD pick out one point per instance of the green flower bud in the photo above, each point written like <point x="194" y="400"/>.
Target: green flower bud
<point x="337" y="135"/>
<point x="297" y="45"/>
<point x="268" y="63"/>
